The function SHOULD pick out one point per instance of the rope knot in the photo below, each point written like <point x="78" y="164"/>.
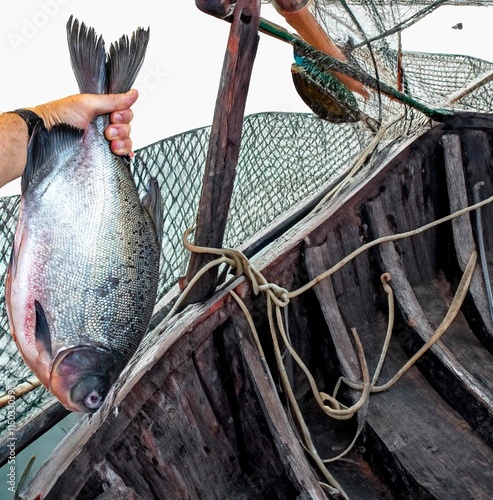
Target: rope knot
<point x="279" y="295"/>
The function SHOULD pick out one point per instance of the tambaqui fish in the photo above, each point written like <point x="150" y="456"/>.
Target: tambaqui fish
<point x="83" y="274"/>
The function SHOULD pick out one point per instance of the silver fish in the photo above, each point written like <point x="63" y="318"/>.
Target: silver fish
<point x="83" y="274"/>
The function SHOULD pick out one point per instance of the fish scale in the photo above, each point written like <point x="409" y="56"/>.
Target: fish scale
<point x="83" y="276"/>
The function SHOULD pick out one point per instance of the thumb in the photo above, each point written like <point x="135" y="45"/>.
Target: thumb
<point x="107" y="103"/>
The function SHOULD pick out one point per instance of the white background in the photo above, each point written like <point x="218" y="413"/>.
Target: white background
<point x="180" y="76"/>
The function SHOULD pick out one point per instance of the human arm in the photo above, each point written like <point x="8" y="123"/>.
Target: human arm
<point x="77" y="110"/>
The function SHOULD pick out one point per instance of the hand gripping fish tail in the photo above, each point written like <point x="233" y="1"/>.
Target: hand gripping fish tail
<point x="83" y="274"/>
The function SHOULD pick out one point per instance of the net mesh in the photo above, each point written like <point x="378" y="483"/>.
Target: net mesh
<point x="284" y="158"/>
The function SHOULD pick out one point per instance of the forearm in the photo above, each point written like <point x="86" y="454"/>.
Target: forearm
<point x="13" y="147"/>
<point x="78" y="111"/>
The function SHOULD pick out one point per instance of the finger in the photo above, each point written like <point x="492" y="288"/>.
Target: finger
<point x="117" y="131"/>
<point x="122" y="147"/>
<point x="108" y="103"/>
<point x="124" y="116"/>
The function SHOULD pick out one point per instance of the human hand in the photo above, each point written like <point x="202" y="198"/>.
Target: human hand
<point x="80" y="109"/>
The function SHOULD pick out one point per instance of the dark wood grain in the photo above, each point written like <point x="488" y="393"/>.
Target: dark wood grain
<point x="198" y="414"/>
<point x="224" y="143"/>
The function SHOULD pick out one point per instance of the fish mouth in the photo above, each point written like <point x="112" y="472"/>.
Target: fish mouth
<point x="81" y="377"/>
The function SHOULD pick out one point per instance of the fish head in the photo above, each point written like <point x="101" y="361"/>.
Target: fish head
<point x="82" y="376"/>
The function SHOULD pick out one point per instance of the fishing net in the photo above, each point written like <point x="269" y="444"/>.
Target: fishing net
<point x="289" y="155"/>
<point x="285" y="157"/>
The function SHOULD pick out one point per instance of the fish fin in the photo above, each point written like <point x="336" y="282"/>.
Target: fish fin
<point x="13" y="261"/>
<point x="125" y="59"/>
<point x="36" y="150"/>
<point x="42" y="333"/>
<point x="88" y="57"/>
<point x="153" y="205"/>
<point x="8" y="290"/>
<point x="42" y="146"/>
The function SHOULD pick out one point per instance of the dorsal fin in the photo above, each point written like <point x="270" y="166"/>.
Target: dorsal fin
<point x="153" y="204"/>
<point x="43" y="145"/>
<point x="42" y="332"/>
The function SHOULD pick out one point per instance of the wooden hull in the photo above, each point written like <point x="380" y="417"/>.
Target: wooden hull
<point x="200" y="415"/>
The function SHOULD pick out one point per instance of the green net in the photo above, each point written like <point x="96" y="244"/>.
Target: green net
<point x="285" y="157"/>
<point x="288" y="155"/>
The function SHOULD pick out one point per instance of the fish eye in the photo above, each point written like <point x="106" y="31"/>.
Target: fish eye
<point x="88" y="393"/>
<point x="93" y="400"/>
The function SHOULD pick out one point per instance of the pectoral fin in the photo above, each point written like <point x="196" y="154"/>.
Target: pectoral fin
<point x="42" y="333"/>
<point x="153" y="204"/>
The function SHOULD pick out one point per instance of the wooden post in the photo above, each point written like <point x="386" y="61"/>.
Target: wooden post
<point x="224" y="143"/>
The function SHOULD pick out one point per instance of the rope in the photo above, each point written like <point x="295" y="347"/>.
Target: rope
<point x="362" y="157"/>
<point x="278" y="297"/>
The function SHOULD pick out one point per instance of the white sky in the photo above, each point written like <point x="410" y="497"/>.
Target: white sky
<point x="179" y="79"/>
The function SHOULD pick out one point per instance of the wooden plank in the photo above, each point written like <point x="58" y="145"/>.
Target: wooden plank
<point x="316" y="258"/>
<point x="407" y="207"/>
<point x="288" y="445"/>
<point x="114" y="487"/>
<point x="459" y="362"/>
<point x="456" y="188"/>
<point x="478" y="150"/>
<point x="464" y="240"/>
<point x="412" y="437"/>
<point x="224" y="143"/>
<point x="421" y="444"/>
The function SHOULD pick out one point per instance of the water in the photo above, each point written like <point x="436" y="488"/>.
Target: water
<point x="41" y="448"/>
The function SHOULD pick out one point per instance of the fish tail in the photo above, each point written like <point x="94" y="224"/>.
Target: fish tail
<point x="125" y="59"/>
<point x="99" y="73"/>
<point x="88" y="57"/>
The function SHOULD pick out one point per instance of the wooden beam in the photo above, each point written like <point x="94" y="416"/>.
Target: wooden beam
<point x="224" y="143"/>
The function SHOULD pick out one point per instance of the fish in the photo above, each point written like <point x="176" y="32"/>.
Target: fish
<point x="83" y="274"/>
<point x="326" y="96"/>
<point x="298" y="15"/>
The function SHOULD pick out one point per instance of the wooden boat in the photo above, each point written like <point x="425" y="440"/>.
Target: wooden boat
<point x="203" y="414"/>
<point x="384" y="287"/>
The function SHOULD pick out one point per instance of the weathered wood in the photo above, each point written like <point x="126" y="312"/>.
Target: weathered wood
<point x="417" y="441"/>
<point x="196" y="414"/>
<point x="456" y="187"/>
<point x="477" y="148"/>
<point x="464" y="239"/>
<point x="180" y="433"/>
<point x="461" y="368"/>
<point x="114" y="487"/>
<point x="295" y="463"/>
<point x="68" y="470"/>
<point x="412" y="437"/>
<point x="317" y="262"/>
<point x="224" y="143"/>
